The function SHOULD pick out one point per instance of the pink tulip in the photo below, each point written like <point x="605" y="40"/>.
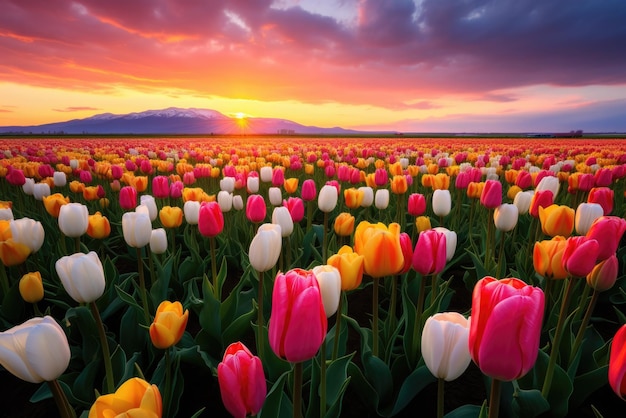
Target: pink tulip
<point x="416" y="204"/>
<point x="617" y="363"/>
<point x="176" y="189"/>
<point x="607" y="231"/>
<point x="297" y="325"/>
<point x="603" y="177"/>
<point x="602" y="196"/>
<point x="242" y="381"/>
<point x="161" y="187"/>
<point x="524" y="180"/>
<point x="579" y="256"/>
<point x="128" y="198"/>
<point x="255" y="208"/>
<point x="407" y="252"/>
<point x="309" y="191"/>
<point x="278" y="177"/>
<point x="505" y="327"/>
<point x="116" y="172"/>
<point x="210" y="219"/>
<point x="541" y="198"/>
<point x="429" y="256"/>
<point x="381" y="177"/>
<point x="491" y="196"/>
<point x="295" y="205"/>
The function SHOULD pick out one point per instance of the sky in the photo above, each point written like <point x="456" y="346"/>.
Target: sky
<point x="401" y="65"/>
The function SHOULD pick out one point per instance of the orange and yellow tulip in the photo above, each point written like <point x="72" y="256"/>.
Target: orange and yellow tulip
<point x="380" y="246"/>
<point x="169" y="324"/>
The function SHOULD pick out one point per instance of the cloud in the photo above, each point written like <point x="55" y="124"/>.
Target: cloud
<point x="76" y="109"/>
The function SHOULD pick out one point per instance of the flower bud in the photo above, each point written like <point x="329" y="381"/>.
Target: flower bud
<point x="31" y="287"/>
<point x="158" y="241"/>
<point x="82" y="276"/>
<point x="505" y="217"/>
<point x="329" y="280"/>
<point x="604" y="274"/>
<point x="73" y="219"/>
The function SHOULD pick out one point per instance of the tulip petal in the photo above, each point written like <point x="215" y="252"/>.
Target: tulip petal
<point x="305" y="331"/>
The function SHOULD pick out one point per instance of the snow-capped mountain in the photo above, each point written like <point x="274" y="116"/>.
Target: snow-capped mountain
<point x="173" y="120"/>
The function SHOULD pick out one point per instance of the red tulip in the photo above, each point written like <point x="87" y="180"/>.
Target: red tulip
<point x="429" y="256"/>
<point x="242" y="381"/>
<point x="210" y="219"/>
<point x="602" y="196"/>
<point x="541" y="198"/>
<point x="298" y="324"/>
<point x="617" y="363"/>
<point x="505" y="327"/>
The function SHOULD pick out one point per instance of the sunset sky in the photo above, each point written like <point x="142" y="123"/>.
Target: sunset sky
<point x="405" y="65"/>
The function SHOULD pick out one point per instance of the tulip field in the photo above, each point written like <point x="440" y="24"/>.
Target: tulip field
<point x="312" y="277"/>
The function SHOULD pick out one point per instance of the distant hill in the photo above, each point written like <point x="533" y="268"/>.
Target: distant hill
<point x="172" y="121"/>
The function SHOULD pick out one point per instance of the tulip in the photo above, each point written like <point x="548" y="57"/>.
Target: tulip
<point x="540" y="199"/>
<point x="210" y="219"/>
<point x="586" y="215"/>
<point x="451" y="240"/>
<point x="298" y="324"/>
<point x="13" y="253"/>
<point x="505" y="217"/>
<point x="295" y="205"/>
<point x="134" y="398"/>
<point x="381" y="199"/>
<point x="429" y="255"/>
<point x="329" y="280"/>
<point x="136" y="228"/>
<point x="580" y="255"/>
<point x="350" y="266"/>
<point x="608" y="232"/>
<point x="171" y="216"/>
<point x="225" y="200"/>
<point x="353" y="197"/>
<point x="505" y="327"/>
<point x="422" y="223"/>
<point x="237" y="202"/>
<point x="128" y="198"/>
<point x="407" y="252"/>
<point x="98" y="226"/>
<point x="557" y="220"/>
<point x="445" y="347"/>
<point x="416" y="204"/>
<point x="191" y="211"/>
<point x="35" y="351"/>
<point x="327" y="199"/>
<point x="161" y="187"/>
<point x="491" y="196"/>
<point x="475" y="189"/>
<point x="602" y="196"/>
<point x="82" y="276"/>
<point x="548" y="257"/>
<point x="548" y="182"/>
<point x="291" y="185"/>
<point x="252" y="184"/>
<point x="523" y="180"/>
<point x="344" y="224"/>
<point x="512" y="192"/>
<point x="242" y="381"/>
<point x="169" y="324"/>
<point x="41" y="190"/>
<point x="441" y="202"/>
<point x="29" y="187"/>
<point x="148" y="202"/>
<point x="227" y="184"/>
<point x="158" y="241"/>
<point x="522" y="200"/>
<point x="617" y="363"/>
<point x="309" y="190"/>
<point x="73" y="219"/>
<point x="266" y="173"/>
<point x="281" y="216"/>
<point x="31" y="287"/>
<point x="15" y="177"/>
<point x="368" y="196"/>
<point x="265" y="247"/>
<point x="275" y="196"/>
<point x="399" y="184"/>
<point x="28" y="232"/>
<point x="380" y="247"/>
<point x="604" y="274"/>
<point x="255" y="208"/>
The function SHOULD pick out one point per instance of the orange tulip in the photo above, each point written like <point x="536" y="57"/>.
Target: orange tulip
<point x="169" y="324"/>
<point x="547" y="257"/>
<point x="13" y="253"/>
<point x="53" y="203"/>
<point x="475" y="189"/>
<point x="399" y="184"/>
<point x="90" y="193"/>
<point x="98" y="226"/>
<point x="291" y="185"/>
<point x="31" y="287"/>
<point x="171" y="216"/>
<point x="350" y="266"/>
<point x="134" y="398"/>
<point x="353" y="197"/>
<point x="344" y="224"/>
<point x="557" y="220"/>
<point x="380" y="247"/>
<point x="441" y="181"/>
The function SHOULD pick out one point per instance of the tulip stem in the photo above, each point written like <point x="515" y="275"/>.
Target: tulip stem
<point x="77" y="244"/>
<point x="4" y="280"/>
<point x="297" y="390"/>
<point x="501" y="255"/>
<point x="150" y="265"/>
<point x="583" y="325"/>
<point x="309" y="215"/>
<point x="259" y="322"/>
<point x="338" y="327"/>
<point x="325" y="239"/>
<point x="63" y="405"/>
<point x="375" y="317"/>
<point x="142" y="287"/>
<point x="417" y="326"/>
<point x="106" y="356"/>
<point x="168" y="380"/>
<point x="557" y="340"/>
<point x="216" y="290"/>
<point x="440" y="397"/>
<point x="323" y="379"/>
<point x="494" y="399"/>
<point x="392" y="304"/>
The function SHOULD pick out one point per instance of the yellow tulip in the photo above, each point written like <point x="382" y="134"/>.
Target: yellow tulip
<point x="344" y="224"/>
<point x="171" y="216"/>
<point x="53" y="203"/>
<point x="350" y="266"/>
<point x="99" y="226"/>
<point x="557" y="220"/>
<point x="134" y="398"/>
<point x="547" y="257"/>
<point x="380" y="247"/>
<point x="169" y="324"/>
<point x="31" y="287"/>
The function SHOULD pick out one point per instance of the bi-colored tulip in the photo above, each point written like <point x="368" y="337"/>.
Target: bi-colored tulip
<point x="505" y="217"/>
<point x="171" y="216"/>
<point x="543" y="198"/>
<point x="350" y="266"/>
<point x="13" y="253"/>
<point x="380" y="246"/>
<point x="28" y="232"/>
<point x="602" y="196"/>
<point x="505" y="327"/>
<point x="353" y="197"/>
<point x="580" y="255"/>
<point x="73" y="219"/>
<point x="134" y="398"/>
<point x="169" y="324"/>
<point x="604" y="274"/>
<point x="297" y="325"/>
<point x="265" y="247"/>
<point x="441" y="202"/>
<point x="82" y="276"/>
<point x="158" y="241"/>
<point x="35" y="351"/>
<point x="548" y="257"/>
<point x="329" y="280"/>
<point x="136" y="228"/>
<point x="617" y="363"/>
<point x="242" y="381"/>
<point x="53" y="203"/>
<point x="451" y="240"/>
<point x="344" y="224"/>
<point x="98" y="226"/>
<point x="586" y="215"/>
<point x="557" y="220"/>
<point x="31" y="287"/>
<point x="608" y="232"/>
<point x="429" y="255"/>
<point x="255" y="208"/>
<point x="491" y="196"/>
<point x="445" y="347"/>
<point x="210" y="219"/>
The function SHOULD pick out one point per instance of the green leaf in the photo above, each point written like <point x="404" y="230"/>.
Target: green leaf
<point x="277" y="403"/>
<point x="529" y="403"/>
<point x="127" y="298"/>
<point x="411" y="386"/>
<point x="337" y="380"/>
<point x="465" y="411"/>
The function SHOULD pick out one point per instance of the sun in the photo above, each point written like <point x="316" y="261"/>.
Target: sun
<point x="240" y="115"/>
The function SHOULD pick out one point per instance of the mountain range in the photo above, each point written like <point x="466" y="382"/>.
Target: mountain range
<point x="173" y="120"/>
